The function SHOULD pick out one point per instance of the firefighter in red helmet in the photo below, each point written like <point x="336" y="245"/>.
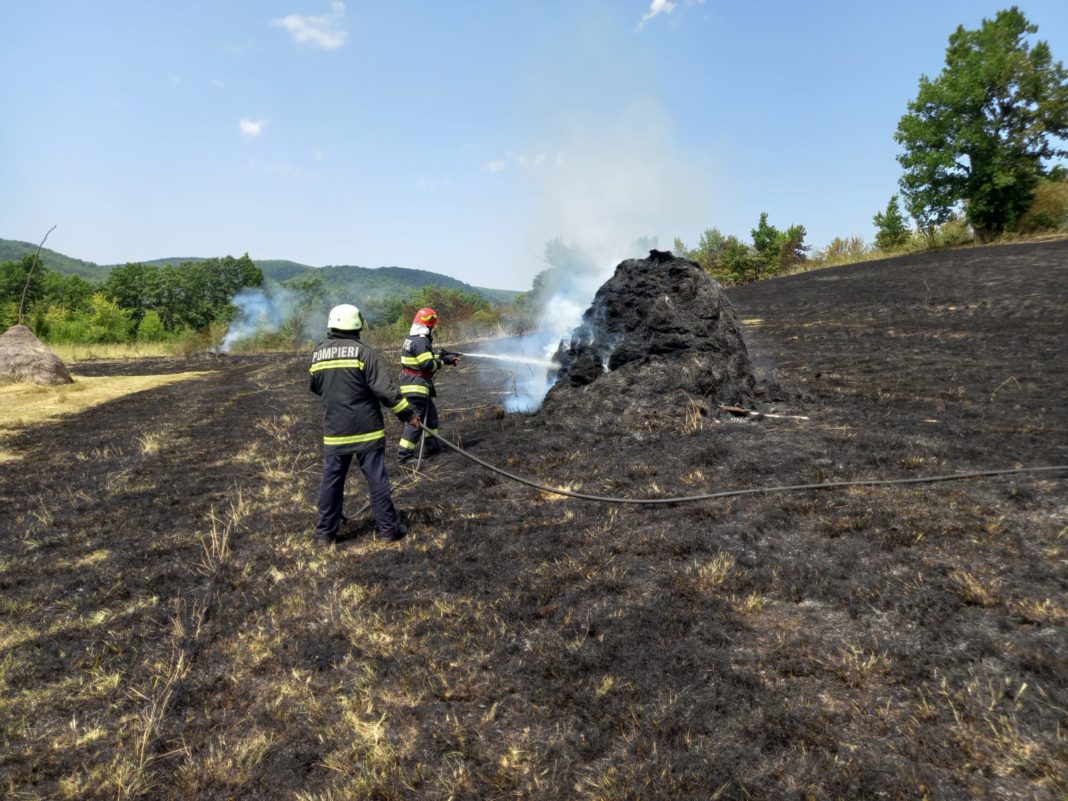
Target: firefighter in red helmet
<point x="419" y="364"/>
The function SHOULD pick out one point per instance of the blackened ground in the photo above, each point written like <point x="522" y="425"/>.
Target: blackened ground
<point x="168" y="630"/>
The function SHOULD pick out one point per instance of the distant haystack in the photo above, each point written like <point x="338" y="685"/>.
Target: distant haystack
<point x="24" y="360"/>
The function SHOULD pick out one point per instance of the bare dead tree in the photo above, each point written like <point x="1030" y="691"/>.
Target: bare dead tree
<point x="29" y="275"/>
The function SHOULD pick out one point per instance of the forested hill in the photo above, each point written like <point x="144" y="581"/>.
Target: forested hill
<point x="11" y="250"/>
<point x="377" y="282"/>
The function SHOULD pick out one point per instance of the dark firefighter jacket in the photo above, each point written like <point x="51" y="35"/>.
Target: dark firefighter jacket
<point x="351" y="379"/>
<point x="418" y="366"/>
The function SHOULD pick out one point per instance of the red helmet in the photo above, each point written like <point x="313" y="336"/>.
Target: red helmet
<point x="426" y="316"/>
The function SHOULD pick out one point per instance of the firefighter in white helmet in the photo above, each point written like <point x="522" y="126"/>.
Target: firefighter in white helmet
<point x="353" y="382"/>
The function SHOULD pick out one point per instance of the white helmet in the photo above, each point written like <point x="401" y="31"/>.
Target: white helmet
<point x="345" y="317"/>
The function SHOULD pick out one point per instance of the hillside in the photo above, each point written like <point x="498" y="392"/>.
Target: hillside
<point x="900" y="642"/>
<point x="373" y="283"/>
<point x="11" y="250"/>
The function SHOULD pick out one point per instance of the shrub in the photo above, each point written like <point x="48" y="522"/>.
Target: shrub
<point x="738" y="263"/>
<point x="104" y="322"/>
<point x="151" y="329"/>
<point x="843" y="251"/>
<point x="1048" y="211"/>
<point x="953" y="233"/>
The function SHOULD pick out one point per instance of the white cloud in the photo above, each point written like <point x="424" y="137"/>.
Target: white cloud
<point x="525" y="161"/>
<point x="325" y="31"/>
<point x="268" y="168"/>
<point x="238" y="48"/>
<point x="217" y="83"/>
<point x="433" y="184"/>
<point x="531" y="162"/>
<point x="252" y="127"/>
<point x="657" y="7"/>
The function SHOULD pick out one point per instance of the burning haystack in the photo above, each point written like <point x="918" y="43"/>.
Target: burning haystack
<point x="659" y="336"/>
<point x="25" y="360"/>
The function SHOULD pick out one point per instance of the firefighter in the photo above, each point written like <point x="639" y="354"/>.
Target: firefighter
<point x="352" y="381"/>
<point x="419" y="364"/>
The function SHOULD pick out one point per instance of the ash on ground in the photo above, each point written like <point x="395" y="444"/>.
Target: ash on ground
<point x="659" y="339"/>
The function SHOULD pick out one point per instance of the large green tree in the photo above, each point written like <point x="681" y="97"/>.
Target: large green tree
<point x="980" y="132"/>
<point x="13" y="280"/>
<point x="134" y="287"/>
<point x="189" y="295"/>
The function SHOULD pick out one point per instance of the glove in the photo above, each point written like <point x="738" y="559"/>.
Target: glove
<point x="450" y="360"/>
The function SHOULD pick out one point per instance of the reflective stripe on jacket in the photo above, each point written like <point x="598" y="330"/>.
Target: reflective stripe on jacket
<point x="352" y="381"/>
<point x="419" y="363"/>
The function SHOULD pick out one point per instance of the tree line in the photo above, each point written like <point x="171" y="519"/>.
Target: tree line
<point x="196" y="300"/>
<point x="136" y="302"/>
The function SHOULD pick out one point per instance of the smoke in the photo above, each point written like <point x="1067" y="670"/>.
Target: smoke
<point x="298" y="315"/>
<point x="260" y="311"/>
<point x="618" y="186"/>
<point x="621" y="179"/>
<point x="562" y="293"/>
<point x="263" y="311"/>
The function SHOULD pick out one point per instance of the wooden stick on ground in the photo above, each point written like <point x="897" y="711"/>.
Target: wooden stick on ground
<point x="747" y="412"/>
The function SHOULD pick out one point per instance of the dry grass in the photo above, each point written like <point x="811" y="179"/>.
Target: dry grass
<point x="71" y="352"/>
<point x="709" y="576"/>
<point x="693" y="418"/>
<point x="973" y="589"/>
<point x="24" y="405"/>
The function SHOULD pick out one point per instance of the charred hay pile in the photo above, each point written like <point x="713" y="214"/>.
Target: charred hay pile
<point x="24" y="359"/>
<point x="659" y="337"/>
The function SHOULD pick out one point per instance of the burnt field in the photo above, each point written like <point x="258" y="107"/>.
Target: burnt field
<point x="168" y="630"/>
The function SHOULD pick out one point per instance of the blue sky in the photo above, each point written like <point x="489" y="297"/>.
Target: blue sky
<point x="455" y="136"/>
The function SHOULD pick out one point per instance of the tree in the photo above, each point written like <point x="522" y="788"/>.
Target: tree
<point x="210" y="285"/>
<point x="709" y="249"/>
<point x="792" y="247"/>
<point x="151" y="329"/>
<point x="13" y="279"/>
<point x="190" y="295"/>
<point x="980" y="132"/>
<point x="892" y="230"/>
<point x="134" y="287"/>
<point x="739" y="263"/>
<point x="102" y="321"/>
<point x="776" y="250"/>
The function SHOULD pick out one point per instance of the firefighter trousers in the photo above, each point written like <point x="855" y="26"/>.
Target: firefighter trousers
<point x="332" y="491"/>
<point x="408" y="447"/>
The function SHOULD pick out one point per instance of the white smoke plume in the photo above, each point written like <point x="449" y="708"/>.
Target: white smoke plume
<point x="623" y="184"/>
<point x="566" y="291"/>
<point x="621" y="177"/>
<point x="260" y="311"/>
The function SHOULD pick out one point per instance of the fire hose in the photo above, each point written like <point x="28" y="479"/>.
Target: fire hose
<point x="875" y="482"/>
